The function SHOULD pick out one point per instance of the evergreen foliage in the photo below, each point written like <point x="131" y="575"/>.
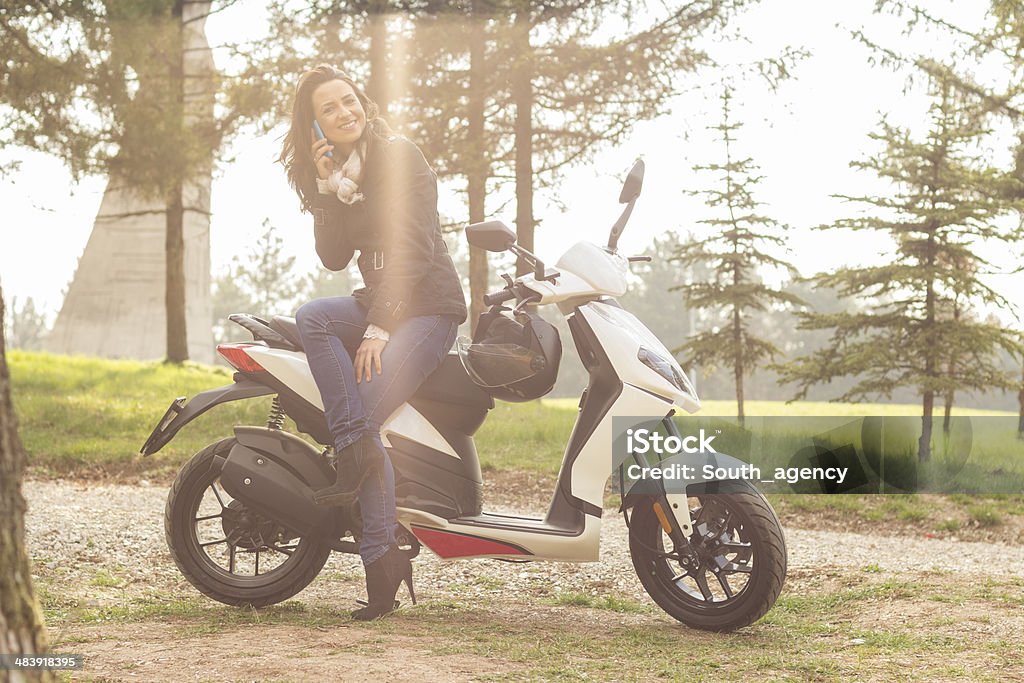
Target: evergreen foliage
<point x="501" y="91"/>
<point x="26" y="326"/>
<point x="264" y="283"/>
<point x="110" y="88"/>
<point x="946" y="200"/>
<point x="999" y="40"/>
<point x="734" y="252"/>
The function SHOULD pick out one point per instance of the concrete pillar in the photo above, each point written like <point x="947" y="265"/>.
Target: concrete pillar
<point x="114" y="307"/>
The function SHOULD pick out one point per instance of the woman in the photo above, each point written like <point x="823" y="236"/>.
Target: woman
<point x="369" y="191"/>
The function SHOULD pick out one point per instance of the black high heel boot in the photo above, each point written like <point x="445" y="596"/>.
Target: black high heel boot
<point x="383" y="579"/>
<point x="355" y="462"/>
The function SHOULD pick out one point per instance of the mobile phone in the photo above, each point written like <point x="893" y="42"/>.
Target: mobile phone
<point x="320" y="136"/>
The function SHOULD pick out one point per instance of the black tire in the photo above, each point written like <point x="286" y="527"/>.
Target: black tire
<point x="672" y="577"/>
<point x="300" y="564"/>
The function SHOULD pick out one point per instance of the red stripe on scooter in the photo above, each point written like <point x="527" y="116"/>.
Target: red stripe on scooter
<point x="449" y="544"/>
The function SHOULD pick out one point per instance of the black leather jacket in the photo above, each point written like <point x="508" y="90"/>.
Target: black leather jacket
<point x="403" y="259"/>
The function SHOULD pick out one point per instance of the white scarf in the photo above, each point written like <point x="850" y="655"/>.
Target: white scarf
<point x="345" y="181"/>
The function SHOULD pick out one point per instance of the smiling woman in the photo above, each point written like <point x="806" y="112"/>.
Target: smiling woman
<point x="326" y="98"/>
<point x="341" y="118"/>
<point x="372" y="191"/>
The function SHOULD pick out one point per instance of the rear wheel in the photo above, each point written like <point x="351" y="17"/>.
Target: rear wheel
<point x="227" y="551"/>
<point x="729" y="573"/>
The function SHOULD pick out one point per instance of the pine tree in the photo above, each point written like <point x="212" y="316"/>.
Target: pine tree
<point x="505" y="91"/>
<point x="27" y="326"/>
<point x="262" y="283"/>
<point x="104" y="86"/>
<point x="734" y="252"/>
<point x="945" y="201"/>
<point x="999" y="41"/>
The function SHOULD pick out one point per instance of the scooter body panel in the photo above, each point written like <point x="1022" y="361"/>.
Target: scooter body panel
<point x="291" y="369"/>
<point x="511" y="538"/>
<point x="570" y="532"/>
<point x="276" y="473"/>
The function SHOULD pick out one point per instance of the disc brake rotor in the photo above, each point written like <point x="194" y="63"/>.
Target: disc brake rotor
<point x="713" y="542"/>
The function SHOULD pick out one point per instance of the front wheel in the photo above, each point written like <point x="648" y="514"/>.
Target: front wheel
<point x="730" y="572"/>
<point x="231" y="553"/>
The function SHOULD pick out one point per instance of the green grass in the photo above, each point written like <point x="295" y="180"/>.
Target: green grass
<point x="985" y="515"/>
<point x="85" y="416"/>
<point x="805" y="408"/>
<point x="525" y="436"/>
<point x="104" y="579"/>
<point x="982" y="455"/>
<point x="81" y="416"/>
<point x="606" y="602"/>
<point x="939" y="513"/>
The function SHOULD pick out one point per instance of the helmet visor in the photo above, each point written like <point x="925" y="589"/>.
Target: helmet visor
<point x="497" y="365"/>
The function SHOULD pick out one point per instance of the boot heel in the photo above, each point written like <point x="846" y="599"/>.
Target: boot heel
<point x="408" y="584"/>
<point x="383" y="579"/>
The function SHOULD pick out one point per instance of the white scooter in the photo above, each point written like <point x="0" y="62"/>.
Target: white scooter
<point x="243" y="528"/>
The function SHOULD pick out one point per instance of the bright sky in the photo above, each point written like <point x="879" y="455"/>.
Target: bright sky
<point x="803" y="137"/>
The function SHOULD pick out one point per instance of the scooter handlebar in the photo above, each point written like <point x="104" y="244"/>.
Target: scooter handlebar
<point x="499" y="297"/>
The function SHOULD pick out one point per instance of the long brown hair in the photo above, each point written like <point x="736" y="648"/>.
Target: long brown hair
<point x="295" y="155"/>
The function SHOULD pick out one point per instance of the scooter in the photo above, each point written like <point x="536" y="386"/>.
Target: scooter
<point x="242" y="526"/>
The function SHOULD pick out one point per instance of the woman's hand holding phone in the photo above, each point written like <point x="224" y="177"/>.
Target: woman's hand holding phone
<point x="321" y="151"/>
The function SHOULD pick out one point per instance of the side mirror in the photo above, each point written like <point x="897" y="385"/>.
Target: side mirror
<point x="634" y="183"/>
<point x="492" y="236"/>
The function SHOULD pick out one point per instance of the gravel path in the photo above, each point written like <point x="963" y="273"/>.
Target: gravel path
<point x="77" y="530"/>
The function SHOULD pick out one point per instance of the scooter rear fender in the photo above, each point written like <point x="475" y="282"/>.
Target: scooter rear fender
<point x="180" y="413"/>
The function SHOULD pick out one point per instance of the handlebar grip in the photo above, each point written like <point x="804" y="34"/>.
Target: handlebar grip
<point x="499" y="297"/>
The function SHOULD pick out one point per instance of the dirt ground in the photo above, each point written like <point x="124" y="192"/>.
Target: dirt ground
<point x="861" y="642"/>
<point x="889" y="602"/>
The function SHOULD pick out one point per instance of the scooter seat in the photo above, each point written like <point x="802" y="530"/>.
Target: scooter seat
<point x="287" y="328"/>
<point x="448" y="384"/>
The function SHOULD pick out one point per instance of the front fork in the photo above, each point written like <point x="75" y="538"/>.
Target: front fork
<point x="672" y="510"/>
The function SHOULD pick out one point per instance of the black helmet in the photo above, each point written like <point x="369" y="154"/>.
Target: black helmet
<point x="513" y="359"/>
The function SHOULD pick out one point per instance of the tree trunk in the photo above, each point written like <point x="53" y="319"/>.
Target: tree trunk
<point x="21" y="623"/>
<point x="951" y="375"/>
<point x="947" y="411"/>
<point x="1020" y="402"/>
<point x="737" y="338"/>
<point x="174" y="246"/>
<point x="174" y="297"/>
<point x="332" y="34"/>
<point x="522" y="96"/>
<point x="476" y="168"/>
<point x="377" y="87"/>
<point x="924" y="445"/>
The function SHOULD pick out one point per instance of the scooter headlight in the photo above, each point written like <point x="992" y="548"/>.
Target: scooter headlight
<point x="667" y="368"/>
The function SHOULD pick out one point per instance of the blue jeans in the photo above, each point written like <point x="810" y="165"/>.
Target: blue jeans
<point x="331" y="330"/>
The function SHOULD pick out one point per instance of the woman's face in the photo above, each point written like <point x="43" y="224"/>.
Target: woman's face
<point x="339" y="113"/>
